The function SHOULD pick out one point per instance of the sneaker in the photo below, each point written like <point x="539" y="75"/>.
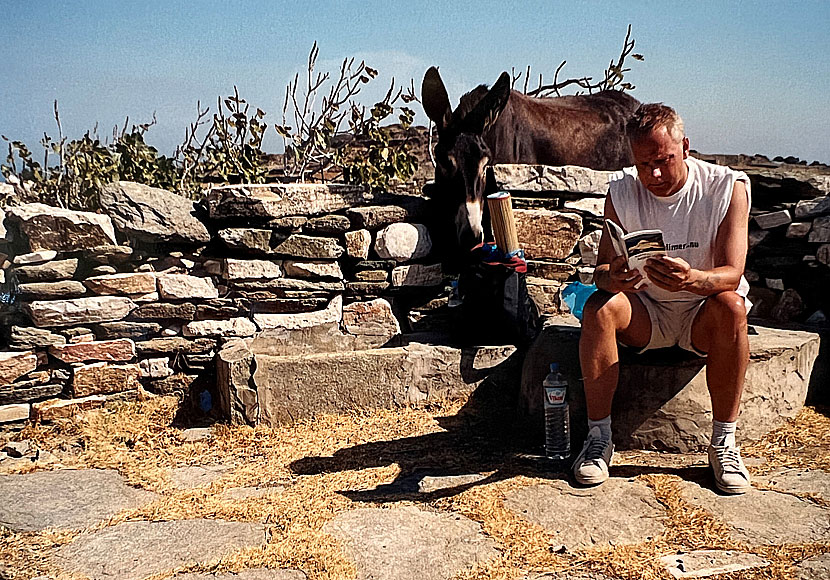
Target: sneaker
<point x="591" y="466"/>
<point x="731" y="475"/>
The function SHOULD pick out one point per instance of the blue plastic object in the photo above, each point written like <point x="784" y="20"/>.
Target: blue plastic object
<point x="575" y="295"/>
<point x="205" y="401"/>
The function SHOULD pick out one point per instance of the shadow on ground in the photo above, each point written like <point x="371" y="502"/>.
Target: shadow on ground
<point x="482" y="438"/>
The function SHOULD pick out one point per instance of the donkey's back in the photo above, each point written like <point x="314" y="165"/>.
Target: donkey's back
<point x="586" y="130"/>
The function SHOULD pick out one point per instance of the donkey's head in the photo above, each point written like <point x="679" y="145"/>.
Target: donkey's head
<point x="461" y="153"/>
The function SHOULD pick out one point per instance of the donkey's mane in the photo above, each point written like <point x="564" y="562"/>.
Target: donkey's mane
<point x="468" y="101"/>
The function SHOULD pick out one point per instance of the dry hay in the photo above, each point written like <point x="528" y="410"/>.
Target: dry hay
<point x="322" y="467"/>
<point x="803" y="442"/>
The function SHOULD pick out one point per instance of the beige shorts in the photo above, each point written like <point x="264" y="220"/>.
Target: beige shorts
<point x="671" y="323"/>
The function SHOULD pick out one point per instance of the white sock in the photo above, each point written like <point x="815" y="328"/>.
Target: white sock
<point x="604" y="425"/>
<point x="723" y="433"/>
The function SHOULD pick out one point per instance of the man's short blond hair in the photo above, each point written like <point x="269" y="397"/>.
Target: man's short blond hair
<point x="650" y="116"/>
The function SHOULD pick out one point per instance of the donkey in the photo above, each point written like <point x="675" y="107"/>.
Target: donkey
<point x="504" y="126"/>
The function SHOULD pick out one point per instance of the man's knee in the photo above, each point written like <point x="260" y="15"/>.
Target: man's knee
<point x="728" y="307"/>
<point x="605" y="310"/>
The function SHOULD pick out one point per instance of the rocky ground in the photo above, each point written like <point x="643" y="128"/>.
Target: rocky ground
<point x="136" y="492"/>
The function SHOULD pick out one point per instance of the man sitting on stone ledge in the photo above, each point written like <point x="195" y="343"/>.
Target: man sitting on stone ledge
<point x="694" y="298"/>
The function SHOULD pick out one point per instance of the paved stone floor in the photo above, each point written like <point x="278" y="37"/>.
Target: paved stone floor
<point x="413" y="496"/>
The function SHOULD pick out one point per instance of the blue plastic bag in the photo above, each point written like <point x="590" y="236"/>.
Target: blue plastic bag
<point x="575" y="295"/>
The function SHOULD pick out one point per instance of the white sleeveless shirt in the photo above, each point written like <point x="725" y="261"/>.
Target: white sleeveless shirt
<point x="689" y="219"/>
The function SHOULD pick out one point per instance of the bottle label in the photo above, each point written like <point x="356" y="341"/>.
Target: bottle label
<point x="555" y="395"/>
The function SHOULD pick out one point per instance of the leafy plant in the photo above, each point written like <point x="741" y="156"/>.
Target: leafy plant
<point x="231" y="149"/>
<point x="84" y="166"/>
<point x="314" y="144"/>
<point x="373" y="159"/>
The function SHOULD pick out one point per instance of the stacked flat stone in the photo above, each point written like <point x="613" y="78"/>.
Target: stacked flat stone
<point x="140" y="299"/>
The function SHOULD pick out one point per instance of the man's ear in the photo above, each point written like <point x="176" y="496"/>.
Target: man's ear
<point x="685" y="147"/>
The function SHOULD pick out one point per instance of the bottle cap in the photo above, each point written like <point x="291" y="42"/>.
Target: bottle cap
<point x="554" y="367"/>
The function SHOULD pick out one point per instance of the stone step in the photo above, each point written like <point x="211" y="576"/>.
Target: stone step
<point x="662" y="401"/>
<point x="258" y="387"/>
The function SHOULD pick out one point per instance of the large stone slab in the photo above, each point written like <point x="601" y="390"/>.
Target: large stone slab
<point x="293" y="387"/>
<point x="238" y="326"/>
<point x="331" y="313"/>
<point x="276" y="200"/>
<point x="51" y="290"/>
<point x="135" y="550"/>
<point x="190" y="476"/>
<point x="48" y="313"/>
<point x="151" y="214"/>
<point x="705" y="563"/>
<point x="14" y="364"/>
<point x="103" y="378"/>
<point x="185" y="287"/>
<point x="15" y="412"/>
<point x="662" y="401"/>
<point x="47" y="272"/>
<point x="547" y="235"/>
<point x="620" y="511"/>
<point x="65" y="498"/>
<point x="763" y="517"/>
<point x="65" y="408"/>
<point x="544" y="178"/>
<point x="312" y="247"/>
<point x="62" y="230"/>
<point x="403" y="543"/>
<point x="122" y="349"/>
<point x="236" y="269"/>
<point x="253" y="574"/>
<point x="313" y="269"/>
<point x="815" y="568"/>
<point x="252" y="239"/>
<point x="124" y="284"/>
<point x="810" y="482"/>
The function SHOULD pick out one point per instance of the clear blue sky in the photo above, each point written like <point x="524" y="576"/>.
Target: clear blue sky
<point x="748" y="77"/>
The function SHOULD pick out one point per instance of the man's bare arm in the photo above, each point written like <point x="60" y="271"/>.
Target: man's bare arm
<point x="730" y="249"/>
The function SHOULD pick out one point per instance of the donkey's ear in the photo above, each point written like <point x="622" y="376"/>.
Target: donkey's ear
<point x="435" y="99"/>
<point x="488" y="109"/>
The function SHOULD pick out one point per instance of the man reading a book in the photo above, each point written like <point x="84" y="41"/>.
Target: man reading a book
<point x="693" y="297"/>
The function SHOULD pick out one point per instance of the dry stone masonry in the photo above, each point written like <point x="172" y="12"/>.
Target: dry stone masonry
<point x="159" y="294"/>
<point x="143" y="297"/>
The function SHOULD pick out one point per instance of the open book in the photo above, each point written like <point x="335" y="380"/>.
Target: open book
<point x="637" y="247"/>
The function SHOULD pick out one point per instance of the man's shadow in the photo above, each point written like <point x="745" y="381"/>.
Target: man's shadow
<point x="483" y="443"/>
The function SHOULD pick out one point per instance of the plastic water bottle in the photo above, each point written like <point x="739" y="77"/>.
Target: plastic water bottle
<point x="557" y="418"/>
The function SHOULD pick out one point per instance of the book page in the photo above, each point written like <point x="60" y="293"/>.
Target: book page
<point x="641" y="246"/>
<point x="617" y="237"/>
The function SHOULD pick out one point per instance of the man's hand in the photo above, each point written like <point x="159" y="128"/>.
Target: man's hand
<point x="621" y="278"/>
<point x="672" y="274"/>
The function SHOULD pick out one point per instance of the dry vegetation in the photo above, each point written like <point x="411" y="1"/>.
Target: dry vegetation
<point x="313" y="483"/>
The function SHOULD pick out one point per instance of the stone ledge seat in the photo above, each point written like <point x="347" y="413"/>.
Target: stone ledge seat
<point x="662" y="401"/>
<point x="258" y="383"/>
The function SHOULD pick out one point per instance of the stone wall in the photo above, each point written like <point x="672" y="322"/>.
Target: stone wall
<point x="142" y="297"/>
